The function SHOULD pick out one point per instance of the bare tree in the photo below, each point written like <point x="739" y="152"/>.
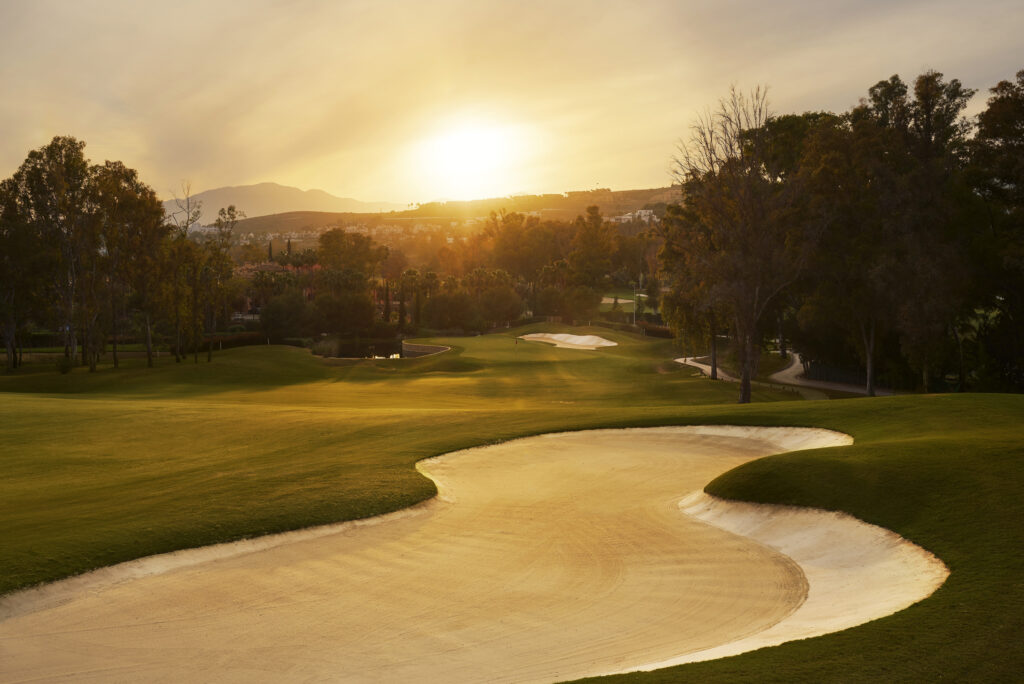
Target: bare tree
<point x="736" y="230"/>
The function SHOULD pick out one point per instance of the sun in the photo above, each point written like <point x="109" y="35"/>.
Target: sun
<point x="472" y="160"/>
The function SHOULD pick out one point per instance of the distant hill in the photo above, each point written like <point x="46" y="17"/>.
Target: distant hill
<point x="563" y="207"/>
<point x="270" y="198"/>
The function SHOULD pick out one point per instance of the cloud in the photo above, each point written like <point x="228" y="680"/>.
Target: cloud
<point x="334" y="94"/>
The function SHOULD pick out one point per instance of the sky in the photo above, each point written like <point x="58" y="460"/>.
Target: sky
<point x="410" y="101"/>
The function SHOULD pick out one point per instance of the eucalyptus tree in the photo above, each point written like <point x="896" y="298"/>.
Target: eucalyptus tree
<point x="179" y="264"/>
<point x="936" y="212"/>
<point x="128" y="218"/>
<point x="23" y="270"/>
<point x="590" y="260"/>
<point x="998" y="176"/>
<point x="49" y="194"/>
<point x="747" y="242"/>
<point x="217" y="269"/>
<point x="690" y="308"/>
<point x="850" y="179"/>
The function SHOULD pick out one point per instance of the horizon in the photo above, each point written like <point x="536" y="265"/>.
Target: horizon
<point x="407" y="104"/>
<point x="406" y="205"/>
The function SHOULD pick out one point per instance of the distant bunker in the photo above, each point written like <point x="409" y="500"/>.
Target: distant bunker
<point x="411" y="350"/>
<point x="590" y="342"/>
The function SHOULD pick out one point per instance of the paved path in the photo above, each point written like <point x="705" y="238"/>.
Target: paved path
<point x="790" y="375"/>
<point x="793" y="375"/>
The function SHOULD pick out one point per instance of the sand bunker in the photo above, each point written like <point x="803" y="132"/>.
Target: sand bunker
<point x="542" y="559"/>
<point x="570" y="341"/>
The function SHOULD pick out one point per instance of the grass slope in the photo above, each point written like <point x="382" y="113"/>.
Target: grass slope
<point x="105" y="467"/>
<point x="114" y="465"/>
<point x="944" y="471"/>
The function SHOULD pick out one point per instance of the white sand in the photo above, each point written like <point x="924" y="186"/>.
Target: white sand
<point x="855" y="572"/>
<point x="542" y="559"/>
<point x="590" y="342"/>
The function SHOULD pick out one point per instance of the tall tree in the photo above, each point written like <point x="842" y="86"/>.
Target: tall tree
<point x="23" y="269"/>
<point x="853" y="190"/>
<point x="50" y="190"/>
<point x="740" y="218"/>
<point x="339" y="249"/>
<point x="591" y="257"/>
<point x="935" y="214"/>
<point x="691" y="308"/>
<point x="129" y="218"/>
<point x="217" y="269"/>
<point x="180" y="266"/>
<point x="998" y="176"/>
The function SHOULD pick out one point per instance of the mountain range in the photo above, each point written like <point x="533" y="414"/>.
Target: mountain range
<point x="263" y="199"/>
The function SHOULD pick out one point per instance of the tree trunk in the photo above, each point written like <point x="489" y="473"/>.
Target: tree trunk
<point x="113" y="329"/>
<point x="209" y="343"/>
<point x="196" y="340"/>
<point x="149" y="342"/>
<point x="867" y="334"/>
<point x="961" y="375"/>
<point x="92" y="343"/>
<point x="782" y="340"/>
<point x="714" y="348"/>
<point x="9" y="344"/>
<point x="177" y="332"/>
<point x="401" y="310"/>
<point x="746" y="367"/>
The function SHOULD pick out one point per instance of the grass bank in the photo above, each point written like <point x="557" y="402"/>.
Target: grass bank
<point x="945" y="471"/>
<point x="104" y="467"/>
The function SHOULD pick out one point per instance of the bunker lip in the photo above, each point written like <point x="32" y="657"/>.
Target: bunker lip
<point x="566" y="341"/>
<point x="570" y="550"/>
<point x="856" y="572"/>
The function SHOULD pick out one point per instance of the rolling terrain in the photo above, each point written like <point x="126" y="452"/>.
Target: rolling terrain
<point x="111" y="466"/>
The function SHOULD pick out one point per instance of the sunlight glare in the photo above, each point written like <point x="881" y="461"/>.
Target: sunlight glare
<point x="472" y="160"/>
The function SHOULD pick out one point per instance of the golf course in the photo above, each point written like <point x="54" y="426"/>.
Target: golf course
<point x="109" y="467"/>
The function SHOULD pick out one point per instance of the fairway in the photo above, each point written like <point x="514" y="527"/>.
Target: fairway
<point x="268" y="439"/>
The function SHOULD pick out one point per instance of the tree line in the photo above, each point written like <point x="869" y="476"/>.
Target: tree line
<point x="349" y="285"/>
<point x="88" y="255"/>
<point x="85" y="250"/>
<point x="890" y="235"/>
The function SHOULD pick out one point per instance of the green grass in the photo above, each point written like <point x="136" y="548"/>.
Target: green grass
<point x="113" y="465"/>
<point x="944" y="471"/>
<point x="108" y="466"/>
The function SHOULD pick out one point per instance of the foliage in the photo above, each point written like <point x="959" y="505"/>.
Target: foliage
<point x="944" y="471"/>
<point x="887" y="233"/>
<point x="590" y="260"/>
<point x="501" y="304"/>
<point x="340" y="249"/>
<point x="737" y="242"/>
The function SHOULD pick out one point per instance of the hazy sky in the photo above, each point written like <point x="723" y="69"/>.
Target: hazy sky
<point x="410" y="101"/>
